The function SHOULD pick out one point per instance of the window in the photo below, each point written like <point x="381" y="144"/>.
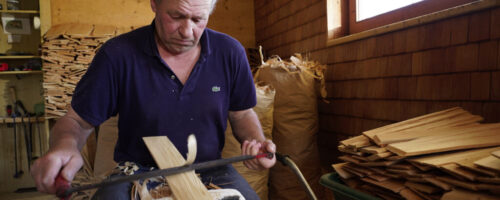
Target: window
<point x="369" y="8"/>
<point x="347" y="17"/>
<point x="417" y="8"/>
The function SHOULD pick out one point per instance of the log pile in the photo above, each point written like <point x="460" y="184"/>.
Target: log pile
<point x="67" y="51"/>
<point x="442" y="155"/>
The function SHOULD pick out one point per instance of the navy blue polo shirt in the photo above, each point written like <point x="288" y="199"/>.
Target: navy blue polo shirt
<point x="129" y="78"/>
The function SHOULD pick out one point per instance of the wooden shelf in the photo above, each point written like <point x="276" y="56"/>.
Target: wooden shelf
<point x="20" y="72"/>
<point x="4" y="120"/>
<point x="19" y="57"/>
<point x="20" y="11"/>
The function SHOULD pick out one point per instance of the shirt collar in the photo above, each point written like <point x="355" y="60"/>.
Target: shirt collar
<point x="152" y="49"/>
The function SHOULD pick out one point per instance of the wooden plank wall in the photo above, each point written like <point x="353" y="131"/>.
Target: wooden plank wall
<point x="390" y="77"/>
<point x="117" y="12"/>
<point x="233" y="17"/>
<point x="236" y="18"/>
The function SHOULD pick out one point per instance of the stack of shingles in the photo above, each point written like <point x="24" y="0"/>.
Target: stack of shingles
<point x="67" y="51"/>
<point x="442" y="155"/>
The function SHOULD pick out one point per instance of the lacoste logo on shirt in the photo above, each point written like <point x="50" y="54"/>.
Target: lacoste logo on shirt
<point x="215" y="89"/>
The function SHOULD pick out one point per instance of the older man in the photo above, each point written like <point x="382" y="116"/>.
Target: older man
<point x="174" y="77"/>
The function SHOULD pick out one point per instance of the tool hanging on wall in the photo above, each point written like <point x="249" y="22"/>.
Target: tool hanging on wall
<point x="30" y="129"/>
<point x="8" y="110"/>
<point x="39" y="111"/>
<point x="18" y="172"/>
<point x="37" y="124"/>
<point x="21" y="111"/>
<point x="27" y="141"/>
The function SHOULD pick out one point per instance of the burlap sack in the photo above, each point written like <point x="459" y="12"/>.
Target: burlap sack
<point x="257" y="179"/>
<point x="297" y="83"/>
<point x="106" y="142"/>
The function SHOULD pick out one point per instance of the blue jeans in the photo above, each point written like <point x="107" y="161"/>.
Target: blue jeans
<point x="224" y="177"/>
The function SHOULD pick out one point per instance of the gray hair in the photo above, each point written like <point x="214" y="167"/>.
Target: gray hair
<point x="212" y="7"/>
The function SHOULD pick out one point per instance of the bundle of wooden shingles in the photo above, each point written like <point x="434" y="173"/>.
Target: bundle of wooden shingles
<point x="67" y="51"/>
<point x="442" y="155"/>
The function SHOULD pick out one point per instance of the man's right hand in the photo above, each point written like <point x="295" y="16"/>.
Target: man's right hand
<point x="44" y="171"/>
<point x="67" y="138"/>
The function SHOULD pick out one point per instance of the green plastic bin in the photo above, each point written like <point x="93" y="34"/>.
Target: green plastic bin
<point x="341" y="191"/>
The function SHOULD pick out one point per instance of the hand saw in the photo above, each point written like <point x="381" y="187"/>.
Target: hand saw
<point x="64" y="189"/>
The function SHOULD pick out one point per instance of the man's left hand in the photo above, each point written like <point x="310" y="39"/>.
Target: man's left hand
<point x="253" y="148"/>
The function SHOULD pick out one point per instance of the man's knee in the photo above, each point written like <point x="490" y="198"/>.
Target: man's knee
<point x="118" y="191"/>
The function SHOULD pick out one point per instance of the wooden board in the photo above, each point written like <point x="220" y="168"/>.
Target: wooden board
<point x="373" y="149"/>
<point x="454" y="157"/>
<point x="414" y="122"/>
<point x="186" y="186"/>
<point x="462" y="123"/>
<point x="379" y="177"/>
<point x="428" y="189"/>
<point x="356" y="142"/>
<point x="495" y="180"/>
<point x="379" y="156"/>
<point x="104" y="31"/>
<point x="55" y="31"/>
<point x="409" y="194"/>
<point x="392" y="185"/>
<point x="422" y="167"/>
<point x="473" y="167"/>
<point x="354" y="172"/>
<point x="460" y="172"/>
<point x="470" y="185"/>
<point x="363" y="170"/>
<point x="426" y="196"/>
<point x="343" y="148"/>
<point x="443" y="185"/>
<point x="342" y="173"/>
<point x="443" y="143"/>
<point x="379" y="191"/>
<point x="79" y="30"/>
<point x="456" y="182"/>
<point x="405" y="166"/>
<point x="378" y="163"/>
<point x="459" y="194"/>
<point x="490" y="162"/>
<point x="496" y="154"/>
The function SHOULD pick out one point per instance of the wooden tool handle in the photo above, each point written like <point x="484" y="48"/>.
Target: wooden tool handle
<point x="62" y="185"/>
<point x="13" y="93"/>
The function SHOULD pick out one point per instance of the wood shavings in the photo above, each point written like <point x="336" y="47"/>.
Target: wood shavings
<point x="297" y="64"/>
<point x="129" y="168"/>
<point x="192" y="149"/>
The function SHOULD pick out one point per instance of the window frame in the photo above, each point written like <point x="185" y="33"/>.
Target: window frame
<point x="404" y="13"/>
<point x="338" y="20"/>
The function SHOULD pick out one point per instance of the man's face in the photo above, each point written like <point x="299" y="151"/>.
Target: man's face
<point x="180" y="23"/>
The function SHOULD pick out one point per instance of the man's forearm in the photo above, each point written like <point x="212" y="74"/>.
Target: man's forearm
<point x="248" y="131"/>
<point x="246" y="125"/>
<point x="67" y="132"/>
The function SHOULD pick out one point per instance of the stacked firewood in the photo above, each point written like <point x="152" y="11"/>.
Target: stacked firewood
<point x="67" y="51"/>
<point x="443" y="155"/>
